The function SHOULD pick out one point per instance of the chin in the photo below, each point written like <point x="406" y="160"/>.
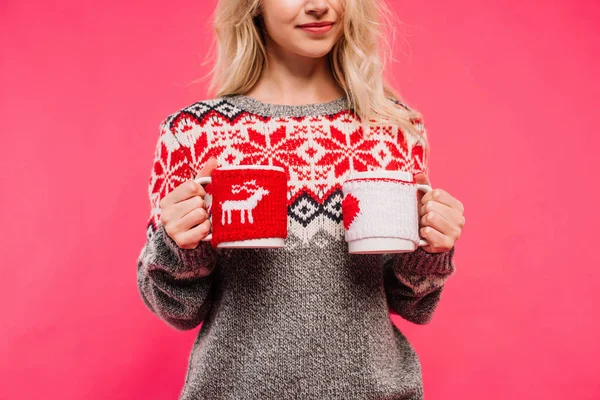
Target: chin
<point x="314" y="53"/>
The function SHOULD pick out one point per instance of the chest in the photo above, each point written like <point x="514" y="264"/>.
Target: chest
<point x="317" y="153"/>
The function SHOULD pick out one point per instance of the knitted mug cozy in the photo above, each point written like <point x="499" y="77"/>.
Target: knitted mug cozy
<point x="380" y="205"/>
<point x="246" y="203"/>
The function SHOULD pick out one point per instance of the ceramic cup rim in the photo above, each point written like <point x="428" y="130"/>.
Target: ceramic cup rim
<point x="257" y="243"/>
<point x="257" y="167"/>
<point x="403" y="176"/>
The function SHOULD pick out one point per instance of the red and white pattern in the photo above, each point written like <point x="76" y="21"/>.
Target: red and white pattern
<point x="248" y="204"/>
<point x="245" y="206"/>
<point x="316" y="151"/>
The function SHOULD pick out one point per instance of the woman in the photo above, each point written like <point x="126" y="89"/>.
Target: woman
<point x="298" y="84"/>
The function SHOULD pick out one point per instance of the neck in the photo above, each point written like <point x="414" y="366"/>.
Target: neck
<point x="292" y="79"/>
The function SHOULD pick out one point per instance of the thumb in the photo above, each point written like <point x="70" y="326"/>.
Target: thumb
<point x="422" y="178"/>
<point x="211" y="164"/>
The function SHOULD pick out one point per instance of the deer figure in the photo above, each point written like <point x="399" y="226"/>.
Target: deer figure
<point x="243" y="206"/>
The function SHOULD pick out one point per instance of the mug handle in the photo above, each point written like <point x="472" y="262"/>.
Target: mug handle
<point x="425" y="189"/>
<point x="205" y="180"/>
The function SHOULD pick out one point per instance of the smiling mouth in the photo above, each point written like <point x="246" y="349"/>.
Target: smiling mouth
<point x="316" y="28"/>
<point x="316" y="25"/>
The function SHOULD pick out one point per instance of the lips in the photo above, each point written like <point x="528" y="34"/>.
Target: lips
<point x="317" y="28"/>
<point x="316" y="24"/>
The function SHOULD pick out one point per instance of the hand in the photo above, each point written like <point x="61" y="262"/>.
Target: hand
<point x="441" y="218"/>
<point x="183" y="211"/>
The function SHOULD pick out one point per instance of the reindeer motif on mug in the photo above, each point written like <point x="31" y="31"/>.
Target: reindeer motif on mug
<point x="243" y="206"/>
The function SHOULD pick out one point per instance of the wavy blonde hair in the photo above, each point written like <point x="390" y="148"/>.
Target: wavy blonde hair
<point x="357" y="60"/>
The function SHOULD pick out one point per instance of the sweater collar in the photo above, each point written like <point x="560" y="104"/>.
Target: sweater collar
<point x="281" y="110"/>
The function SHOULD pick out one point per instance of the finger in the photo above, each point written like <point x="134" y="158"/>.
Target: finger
<point x="438" y="242"/>
<point x="192" y="237"/>
<point x="436" y="221"/>
<point x="422" y="178"/>
<point x="441" y="196"/>
<point x="183" y="208"/>
<point x="177" y="211"/>
<point x="191" y="188"/>
<point x="454" y="216"/>
<point x="190" y="220"/>
<point x="443" y="218"/>
<point x="185" y="191"/>
<point x="208" y="168"/>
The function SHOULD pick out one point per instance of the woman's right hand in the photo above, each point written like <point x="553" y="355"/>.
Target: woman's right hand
<point x="183" y="211"/>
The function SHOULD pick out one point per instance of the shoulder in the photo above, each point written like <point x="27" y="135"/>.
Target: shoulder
<point x="400" y="103"/>
<point x="413" y="115"/>
<point x="197" y="112"/>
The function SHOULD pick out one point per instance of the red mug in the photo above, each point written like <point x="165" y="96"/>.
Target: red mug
<point x="247" y="206"/>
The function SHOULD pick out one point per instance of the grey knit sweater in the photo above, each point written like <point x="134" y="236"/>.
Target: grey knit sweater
<point x="307" y="321"/>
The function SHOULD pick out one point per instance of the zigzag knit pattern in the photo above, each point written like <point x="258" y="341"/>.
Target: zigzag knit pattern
<point x="307" y="321"/>
<point x="316" y="151"/>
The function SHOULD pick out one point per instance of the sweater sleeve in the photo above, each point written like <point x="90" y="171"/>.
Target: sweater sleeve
<point x="414" y="281"/>
<point x="175" y="283"/>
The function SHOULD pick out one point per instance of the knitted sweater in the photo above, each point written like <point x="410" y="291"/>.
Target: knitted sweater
<point x="309" y="320"/>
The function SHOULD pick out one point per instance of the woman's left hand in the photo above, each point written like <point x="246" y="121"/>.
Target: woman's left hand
<point x="441" y="218"/>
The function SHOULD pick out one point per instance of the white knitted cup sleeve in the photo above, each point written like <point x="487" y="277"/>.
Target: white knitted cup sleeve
<point x="385" y="209"/>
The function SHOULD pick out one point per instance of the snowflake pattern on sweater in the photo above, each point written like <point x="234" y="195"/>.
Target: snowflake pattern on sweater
<point x="316" y="151"/>
<point x="307" y="321"/>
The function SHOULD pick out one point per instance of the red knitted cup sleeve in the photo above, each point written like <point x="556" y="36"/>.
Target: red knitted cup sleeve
<point x="248" y="204"/>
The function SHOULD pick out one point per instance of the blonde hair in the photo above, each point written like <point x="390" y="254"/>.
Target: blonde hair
<point x="356" y="60"/>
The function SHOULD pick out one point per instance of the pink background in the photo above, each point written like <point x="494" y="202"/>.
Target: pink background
<point x="509" y="91"/>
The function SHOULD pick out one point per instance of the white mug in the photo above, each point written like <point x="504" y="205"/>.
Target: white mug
<point x="380" y="212"/>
